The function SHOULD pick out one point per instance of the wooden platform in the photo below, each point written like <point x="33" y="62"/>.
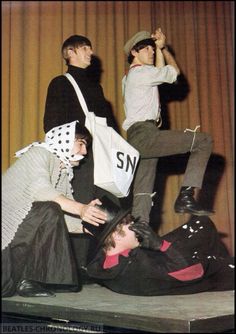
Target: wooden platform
<point x="208" y="312"/>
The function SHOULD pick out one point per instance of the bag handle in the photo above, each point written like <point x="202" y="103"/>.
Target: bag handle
<point x="78" y="92"/>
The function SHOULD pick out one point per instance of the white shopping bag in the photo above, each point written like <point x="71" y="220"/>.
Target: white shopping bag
<point x="115" y="160"/>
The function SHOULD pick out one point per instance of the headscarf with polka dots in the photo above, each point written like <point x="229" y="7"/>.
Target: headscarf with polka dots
<point x="59" y="141"/>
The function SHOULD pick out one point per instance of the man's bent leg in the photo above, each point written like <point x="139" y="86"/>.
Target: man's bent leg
<point x="198" y="160"/>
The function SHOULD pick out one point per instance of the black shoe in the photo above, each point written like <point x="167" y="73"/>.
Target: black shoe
<point x="29" y="288"/>
<point x="185" y="203"/>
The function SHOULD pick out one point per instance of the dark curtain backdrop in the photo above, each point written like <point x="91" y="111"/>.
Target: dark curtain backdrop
<point x="200" y="34"/>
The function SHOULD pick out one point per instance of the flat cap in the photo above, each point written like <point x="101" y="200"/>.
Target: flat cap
<point x="141" y="35"/>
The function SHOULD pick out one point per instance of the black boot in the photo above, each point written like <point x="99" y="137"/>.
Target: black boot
<point x="185" y="203"/>
<point x="30" y="288"/>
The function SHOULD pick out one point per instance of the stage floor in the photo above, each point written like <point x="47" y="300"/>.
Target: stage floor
<point x="208" y="312"/>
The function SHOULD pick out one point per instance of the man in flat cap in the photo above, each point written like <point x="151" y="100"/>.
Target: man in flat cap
<point x="143" y="125"/>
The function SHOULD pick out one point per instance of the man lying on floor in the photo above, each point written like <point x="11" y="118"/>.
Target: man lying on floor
<point x="132" y="259"/>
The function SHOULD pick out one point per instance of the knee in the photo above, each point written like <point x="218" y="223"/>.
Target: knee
<point x="52" y="216"/>
<point x="49" y="208"/>
<point x="209" y="139"/>
<point x="54" y="209"/>
<point x="205" y="141"/>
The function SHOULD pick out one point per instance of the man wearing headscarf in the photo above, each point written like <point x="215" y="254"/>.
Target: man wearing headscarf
<point x="38" y="209"/>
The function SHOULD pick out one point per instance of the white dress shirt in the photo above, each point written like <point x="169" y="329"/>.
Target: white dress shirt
<point x="140" y="92"/>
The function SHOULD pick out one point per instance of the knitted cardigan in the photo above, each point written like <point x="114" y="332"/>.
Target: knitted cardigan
<point x="35" y="176"/>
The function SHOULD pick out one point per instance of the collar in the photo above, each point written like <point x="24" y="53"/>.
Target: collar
<point x="77" y="72"/>
<point x="132" y="66"/>
<point x="135" y="65"/>
<point x="113" y="260"/>
<point x="76" y="68"/>
<point x="165" y="245"/>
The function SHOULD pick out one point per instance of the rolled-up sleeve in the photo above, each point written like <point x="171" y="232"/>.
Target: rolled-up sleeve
<point x="157" y="76"/>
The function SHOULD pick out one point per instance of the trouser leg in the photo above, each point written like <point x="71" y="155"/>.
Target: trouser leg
<point x="143" y="189"/>
<point x="83" y="182"/>
<point x="80" y="246"/>
<point x="154" y="143"/>
<point x="198" y="160"/>
<point x="83" y="246"/>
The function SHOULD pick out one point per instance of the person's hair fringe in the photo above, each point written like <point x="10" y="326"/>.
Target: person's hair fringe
<point x="109" y="242"/>
<point x="81" y="132"/>
<point x="139" y="46"/>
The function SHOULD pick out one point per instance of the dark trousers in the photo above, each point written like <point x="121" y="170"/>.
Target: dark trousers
<point x="40" y="251"/>
<point x="153" y="143"/>
<point x="83" y="182"/>
<point x="83" y="246"/>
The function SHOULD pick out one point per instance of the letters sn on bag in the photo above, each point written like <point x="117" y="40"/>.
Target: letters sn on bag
<point x="115" y="160"/>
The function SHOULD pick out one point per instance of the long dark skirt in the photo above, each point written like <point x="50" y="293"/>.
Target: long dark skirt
<point x="40" y="251"/>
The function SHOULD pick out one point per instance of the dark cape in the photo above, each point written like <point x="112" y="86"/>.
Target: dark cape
<point x="195" y="261"/>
